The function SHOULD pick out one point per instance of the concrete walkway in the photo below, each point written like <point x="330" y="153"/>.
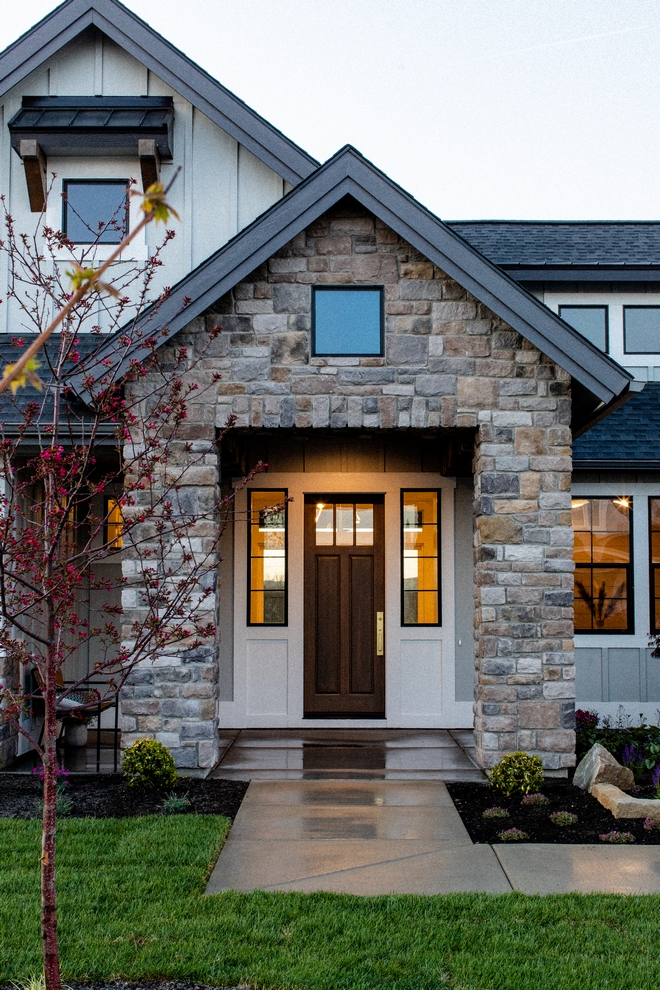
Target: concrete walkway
<point x="405" y="836"/>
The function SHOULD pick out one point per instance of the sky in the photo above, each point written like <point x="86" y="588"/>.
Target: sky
<point x="482" y="109"/>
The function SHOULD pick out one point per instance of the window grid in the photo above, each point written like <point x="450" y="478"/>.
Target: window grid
<point x="420" y="558"/>
<point x="267" y="558"/>
<point x="602" y="528"/>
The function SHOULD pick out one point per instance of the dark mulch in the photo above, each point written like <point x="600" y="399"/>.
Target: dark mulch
<point x="471" y="801"/>
<point x="109" y="796"/>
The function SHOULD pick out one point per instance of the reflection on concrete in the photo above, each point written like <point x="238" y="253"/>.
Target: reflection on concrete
<point x="359" y="754"/>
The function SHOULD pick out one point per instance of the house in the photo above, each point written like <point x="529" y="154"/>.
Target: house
<point x="421" y="392"/>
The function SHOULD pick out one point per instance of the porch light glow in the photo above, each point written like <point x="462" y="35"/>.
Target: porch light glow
<point x="577" y="503"/>
<point x="623" y="502"/>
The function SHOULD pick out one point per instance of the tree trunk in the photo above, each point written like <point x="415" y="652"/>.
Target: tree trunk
<point x="48" y="906"/>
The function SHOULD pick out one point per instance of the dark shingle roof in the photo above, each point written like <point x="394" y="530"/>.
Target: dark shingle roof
<point x="521" y="243"/>
<point x="628" y="437"/>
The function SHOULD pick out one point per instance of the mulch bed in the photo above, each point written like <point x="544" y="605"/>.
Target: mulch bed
<point x="109" y="796"/>
<point x="472" y="800"/>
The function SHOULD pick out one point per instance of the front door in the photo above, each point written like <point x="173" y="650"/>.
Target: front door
<point x="344" y="606"/>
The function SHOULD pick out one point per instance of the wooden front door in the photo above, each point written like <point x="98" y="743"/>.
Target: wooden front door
<point x="344" y="606"/>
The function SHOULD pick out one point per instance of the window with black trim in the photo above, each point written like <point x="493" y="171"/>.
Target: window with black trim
<point x="654" y="561"/>
<point x="420" y="541"/>
<point x="590" y="321"/>
<point x="267" y="558"/>
<point x="602" y="529"/>
<point x="641" y="329"/>
<point x="347" y="321"/>
<point x="95" y="211"/>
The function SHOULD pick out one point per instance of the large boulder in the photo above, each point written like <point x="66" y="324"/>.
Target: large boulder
<point x="600" y="767"/>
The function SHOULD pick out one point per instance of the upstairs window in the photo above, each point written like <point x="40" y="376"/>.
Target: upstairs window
<point x="95" y="211"/>
<point x="654" y="527"/>
<point x="641" y="329"/>
<point x="347" y="321"/>
<point x="603" y="571"/>
<point x="590" y="321"/>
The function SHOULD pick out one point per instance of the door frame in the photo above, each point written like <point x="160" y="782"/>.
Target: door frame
<point x="314" y="705"/>
<point x="277" y="652"/>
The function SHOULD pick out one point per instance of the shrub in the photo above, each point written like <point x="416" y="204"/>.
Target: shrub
<point x="535" y="799"/>
<point x="655" y="781"/>
<point x="176" y="804"/>
<point x="619" y="837"/>
<point x="563" y="818"/>
<point x="495" y="813"/>
<point x="512" y="835"/>
<point x="650" y="823"/>
<point x="517" y="773"/>
<point x="147" y="763"/>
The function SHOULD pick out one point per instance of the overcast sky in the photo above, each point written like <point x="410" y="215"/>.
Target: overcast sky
<point x="520" y="109"/>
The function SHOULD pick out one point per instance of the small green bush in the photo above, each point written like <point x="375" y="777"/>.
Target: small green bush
<point x="147" y="763"/>
<point x="512" y="835"/>
<point x="176" y="804"/>
<point x="563" y="818"/>
<point x="516" y="773"/>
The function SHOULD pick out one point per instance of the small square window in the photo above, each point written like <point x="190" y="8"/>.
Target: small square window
<point x="347" y="321"/>
<point x="95" y="212"/>
<point x="590" y="321"/>
<point x="641" y="329"/>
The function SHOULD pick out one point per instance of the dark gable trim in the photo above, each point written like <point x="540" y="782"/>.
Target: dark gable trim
<point x="348" y="173"/>
<point x="134" y="35"/>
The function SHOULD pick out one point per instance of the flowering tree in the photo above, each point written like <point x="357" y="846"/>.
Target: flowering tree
<point x="87" y="482"/>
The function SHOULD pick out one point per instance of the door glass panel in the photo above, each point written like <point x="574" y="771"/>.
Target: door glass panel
<point x="324" y="524"/>
<point x="364" y="525"/>
<point x="420" y="583"/>
<point x="267" y="516"/>
<point x="344" y="525"/>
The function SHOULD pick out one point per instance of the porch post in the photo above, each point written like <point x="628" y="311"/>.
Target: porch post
<point x="524" y="660"/>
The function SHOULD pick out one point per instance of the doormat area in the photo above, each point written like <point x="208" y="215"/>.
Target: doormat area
<point x="471" y="800"/>
<point x="109" y="796"/>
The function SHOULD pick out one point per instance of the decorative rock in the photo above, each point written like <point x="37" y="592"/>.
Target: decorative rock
<point x="622" y="805"/>
<point x="600" y="767"/>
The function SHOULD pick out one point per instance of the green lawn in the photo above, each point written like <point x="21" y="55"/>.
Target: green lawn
<point x="131" y="906"/>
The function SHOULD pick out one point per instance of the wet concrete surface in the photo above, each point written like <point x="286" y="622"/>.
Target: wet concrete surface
<point x="395" y="754"/>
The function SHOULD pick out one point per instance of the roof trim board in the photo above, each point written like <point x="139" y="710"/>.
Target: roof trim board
<point x="349" y="173"/>
<point x="135" y="36"/>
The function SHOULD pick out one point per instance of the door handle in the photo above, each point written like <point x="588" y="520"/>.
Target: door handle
<point x="380" y="634"/>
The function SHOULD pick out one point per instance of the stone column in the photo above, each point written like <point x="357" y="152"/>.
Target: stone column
<point x="524" y="660"/>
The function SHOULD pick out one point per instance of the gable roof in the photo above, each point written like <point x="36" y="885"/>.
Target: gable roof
<point x="350" y="174"/>
<point x="568" y="250"/>
<point x="135" y="36"/>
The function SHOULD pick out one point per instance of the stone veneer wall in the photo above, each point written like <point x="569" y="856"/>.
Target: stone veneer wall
<point x="449" y="362"/>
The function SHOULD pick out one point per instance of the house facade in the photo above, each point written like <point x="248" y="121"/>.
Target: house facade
<point x="457" y="522"/>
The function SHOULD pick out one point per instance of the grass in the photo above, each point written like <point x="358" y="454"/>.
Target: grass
<point x="131" y="906"/>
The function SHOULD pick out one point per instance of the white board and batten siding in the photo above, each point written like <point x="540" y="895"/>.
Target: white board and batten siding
<point x="222" y="187"/>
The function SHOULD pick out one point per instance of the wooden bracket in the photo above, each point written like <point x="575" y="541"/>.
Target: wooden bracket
<point x="149" y="162"/>
<point x="34" y="163"/>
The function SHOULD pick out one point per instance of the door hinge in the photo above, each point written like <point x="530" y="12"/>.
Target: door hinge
<point x="380" y="634"/>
